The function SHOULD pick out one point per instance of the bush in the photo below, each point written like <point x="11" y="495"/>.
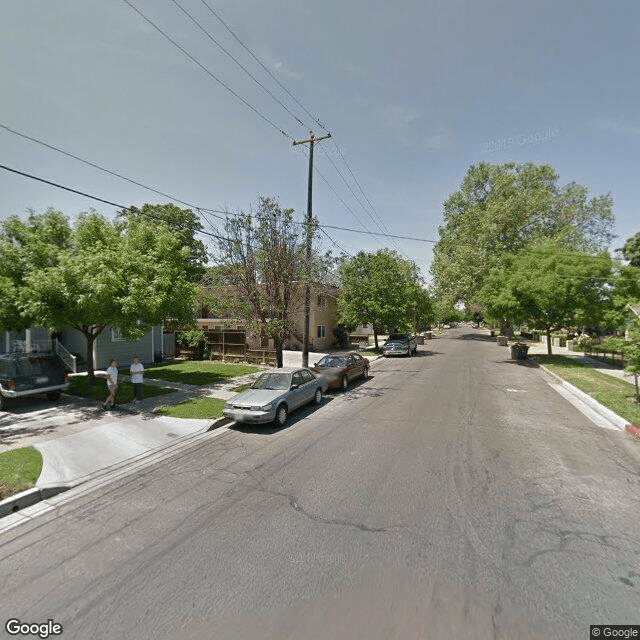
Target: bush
<point x="583" y="342"/>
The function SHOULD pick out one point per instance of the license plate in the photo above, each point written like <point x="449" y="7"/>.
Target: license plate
<point x="42" y="380"/>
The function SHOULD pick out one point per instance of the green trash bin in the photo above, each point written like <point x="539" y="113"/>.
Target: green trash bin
<point x="519" y="351"/>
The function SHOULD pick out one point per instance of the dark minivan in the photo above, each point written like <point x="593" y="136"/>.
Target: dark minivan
<point x="27" y="374"/>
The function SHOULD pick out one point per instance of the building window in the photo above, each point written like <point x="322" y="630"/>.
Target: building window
<point x="116" y="335"/>
<point x="321" y="302"/>
<point x="321" y="331"/>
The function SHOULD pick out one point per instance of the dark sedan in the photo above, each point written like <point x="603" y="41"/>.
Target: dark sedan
<point x="339" y="371"/>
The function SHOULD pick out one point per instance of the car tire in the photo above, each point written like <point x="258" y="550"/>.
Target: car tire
<point x="3" y="403"/>
<point x="408" y="352"/>
<point x="53" y="395"/>
<point x="344" y="385"/>
<point x="317" y="398"/>
<point x="281" y="415"/>
<point x="365" y="373"/>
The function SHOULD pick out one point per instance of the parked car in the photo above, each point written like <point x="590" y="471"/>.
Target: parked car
<point x="400" y="344"/>
<point x="275" y="394"/>
<point x="27" y="374"/>
<point x="340" y="370"/>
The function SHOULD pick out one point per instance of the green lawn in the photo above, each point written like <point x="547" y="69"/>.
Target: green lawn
<point x="240" y="388"/>
<point x="370" y="352"/>
<point x="205" y="408"/>
<point x="19" y="470"/>
<point x="615" y="394"/>
<point x="82" y="386"/>
<point x="199" y="372"/>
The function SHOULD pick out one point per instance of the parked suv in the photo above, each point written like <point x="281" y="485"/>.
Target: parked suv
<point x="400" y="344"/>
<point x="26" y="374"/>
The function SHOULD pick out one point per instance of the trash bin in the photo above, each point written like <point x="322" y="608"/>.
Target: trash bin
<point x="427" y="335"/>
<point x="420" y="339"/>
<point x="519" y="351"/>
<point x="503" y="341"/>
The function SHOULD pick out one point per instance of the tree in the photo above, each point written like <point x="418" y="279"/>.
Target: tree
<point x="24" y="245"/>
<point x="548" y="288"/>
<point x="501" y="209"/>
<point x="263" y="271"/>
<point x="128" y="278"/>
<point x="631" y="250"/>
<point x="379" y="289"/>
<point x="182" y="223"/>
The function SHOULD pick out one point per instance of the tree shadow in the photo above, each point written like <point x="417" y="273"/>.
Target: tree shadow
<point x="529" y="362"/>
<point x="480" y="337"/>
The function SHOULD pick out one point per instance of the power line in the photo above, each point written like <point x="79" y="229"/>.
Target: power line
<point x="253" y="55"/>
<point x="206" y="70"/>
<point x="293" y="115"/>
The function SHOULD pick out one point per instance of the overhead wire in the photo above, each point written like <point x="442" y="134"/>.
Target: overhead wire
<point x="225" y="51"/>
<point x="207" y="71"/>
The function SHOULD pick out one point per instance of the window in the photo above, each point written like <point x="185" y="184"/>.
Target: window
<point x="322" y="302"/>
<point x="321" y="332"/>
<point x="307" y="376"/>
<point x="116" y="335"/>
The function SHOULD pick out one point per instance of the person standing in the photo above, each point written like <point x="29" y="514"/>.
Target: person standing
<point x="136" y="370"/>
<point x="112" y="384"/>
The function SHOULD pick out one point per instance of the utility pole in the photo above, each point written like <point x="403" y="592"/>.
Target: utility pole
<point x="307" y="292"/>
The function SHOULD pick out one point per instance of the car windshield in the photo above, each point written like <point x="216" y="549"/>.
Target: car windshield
<point x="279" y="381"/>
<point x="332" y="361"/>
<point x="396" y="338"/>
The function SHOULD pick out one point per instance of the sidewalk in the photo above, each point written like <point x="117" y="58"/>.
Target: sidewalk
<point x="79" y="438"/>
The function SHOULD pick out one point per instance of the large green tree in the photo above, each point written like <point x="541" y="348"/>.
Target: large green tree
<point x="128" y="278"/>
<point x="548" y="288"/>
<point x="500" y="209"/>
<point x="184" y="224"/>
<point x="34" y="243"/>
<point x="263" y="271"/>
<point x="631" y="250"/>
<point x="380" y="289"/>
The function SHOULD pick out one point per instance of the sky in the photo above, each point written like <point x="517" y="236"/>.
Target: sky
<point x="413" y="92"/>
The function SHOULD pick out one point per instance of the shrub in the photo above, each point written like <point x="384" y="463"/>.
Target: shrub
<point x="583" y="342"/>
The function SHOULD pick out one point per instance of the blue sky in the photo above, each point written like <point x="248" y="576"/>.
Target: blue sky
<point x="413" y="92"/>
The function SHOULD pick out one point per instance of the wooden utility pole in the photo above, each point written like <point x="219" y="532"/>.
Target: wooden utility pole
<point x="307" y="292"/>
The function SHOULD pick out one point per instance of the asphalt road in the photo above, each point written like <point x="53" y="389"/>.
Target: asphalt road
<point x="453" y="495"/>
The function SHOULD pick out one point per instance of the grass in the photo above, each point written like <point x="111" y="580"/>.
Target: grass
<point x="19" y="470"/>
<point x="198" y="372"/>
<point x="371" y="352"/>
<point x="614" y="393"/>
<point x="82" y="386"/>
<point x="204" y="408"/>
<point x="240" y="388"/>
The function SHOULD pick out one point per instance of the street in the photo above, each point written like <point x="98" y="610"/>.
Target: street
<point x="454" y="494"/>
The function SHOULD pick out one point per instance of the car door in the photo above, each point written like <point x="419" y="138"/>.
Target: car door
<point x="357" y="366"/>
<point x="297" y="392"/>
<point x="309" y="387"/>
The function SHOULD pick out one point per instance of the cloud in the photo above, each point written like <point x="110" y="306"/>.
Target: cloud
<point x="440" y="142"/>
<point x="615" y="125"/>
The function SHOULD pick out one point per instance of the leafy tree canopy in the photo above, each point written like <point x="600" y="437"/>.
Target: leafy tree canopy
<point x="548" y="288"/>
<point x="631" y="250"/>
<point x="381" y="289"/>
<point x="502" y="209"/>
<point x="184" y="224"/>
<point x="98" y="273"/>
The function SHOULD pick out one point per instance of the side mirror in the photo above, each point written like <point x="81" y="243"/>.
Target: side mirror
<point x="293" y="387"/>
<point x="315" y="364"/>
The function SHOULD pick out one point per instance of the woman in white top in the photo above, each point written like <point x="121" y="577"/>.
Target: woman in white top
<point x="112" y="383"/>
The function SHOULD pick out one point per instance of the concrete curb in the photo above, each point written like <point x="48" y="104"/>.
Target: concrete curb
<point x="23" y="507"/>
<point x="606" y="413"/>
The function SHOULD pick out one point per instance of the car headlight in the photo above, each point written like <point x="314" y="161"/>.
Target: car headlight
<point x="265" y="407"/>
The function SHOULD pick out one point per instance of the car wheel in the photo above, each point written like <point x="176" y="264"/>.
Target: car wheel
<point x="345" y="383"/>
<point x="409" y="352"/>
<point x="281" y="415"/>
<point x="53" y="395"/>
<point x="317" y="398"/>
<point x="365" y="373"/>
<point x="3" y="403"/>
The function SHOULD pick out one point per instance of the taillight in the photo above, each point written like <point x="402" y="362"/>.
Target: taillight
<point x="11" y="385"/>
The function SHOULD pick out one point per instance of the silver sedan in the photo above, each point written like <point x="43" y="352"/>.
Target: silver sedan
<point x="275" y="394"/>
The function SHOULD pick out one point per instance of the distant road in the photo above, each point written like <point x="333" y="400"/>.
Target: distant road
<point x="453" y="495"/>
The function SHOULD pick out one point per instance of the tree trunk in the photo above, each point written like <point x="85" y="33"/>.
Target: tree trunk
<point x="375" y="337"/>
<point x="549" y="341"/>
<point x="277" y="343"/>
<point x="90" y="364"/>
